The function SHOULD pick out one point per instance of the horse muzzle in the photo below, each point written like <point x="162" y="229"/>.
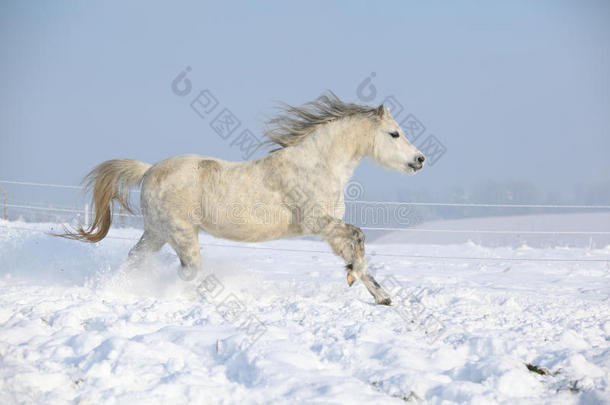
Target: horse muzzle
<point x="417" y="163"/>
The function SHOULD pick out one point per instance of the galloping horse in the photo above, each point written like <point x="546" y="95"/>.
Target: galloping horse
<point x="294" y="190"/>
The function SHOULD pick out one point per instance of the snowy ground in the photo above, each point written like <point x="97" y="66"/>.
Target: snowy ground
<point x="523" y="226"/>
<point x="75" y="327"/>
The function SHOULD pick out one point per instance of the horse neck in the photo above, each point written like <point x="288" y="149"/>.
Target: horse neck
<point x="338" y="146"/>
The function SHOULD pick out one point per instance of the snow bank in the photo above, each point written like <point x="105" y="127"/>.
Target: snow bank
<point x="522" y="231"/>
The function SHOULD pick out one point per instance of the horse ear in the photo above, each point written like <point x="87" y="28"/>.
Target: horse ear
<point x="380" y="111"/>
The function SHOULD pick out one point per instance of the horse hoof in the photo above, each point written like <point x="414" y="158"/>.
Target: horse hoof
<point x="385" y="301"/>
<point x="350" y="280"/>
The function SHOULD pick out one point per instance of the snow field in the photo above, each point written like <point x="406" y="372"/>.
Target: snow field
<point x="76" y="326"/>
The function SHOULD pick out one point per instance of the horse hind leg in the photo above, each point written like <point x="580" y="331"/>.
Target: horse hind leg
<point x="184" y="240"/>
<point x="148" y="243"/>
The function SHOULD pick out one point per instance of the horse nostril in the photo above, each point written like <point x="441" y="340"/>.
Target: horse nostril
<point x="421" y="159"/>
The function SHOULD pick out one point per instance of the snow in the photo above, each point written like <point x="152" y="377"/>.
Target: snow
<point x="523" y="226"/>
<point x="76" y="326"/>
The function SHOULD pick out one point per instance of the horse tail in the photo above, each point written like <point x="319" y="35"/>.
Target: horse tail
<point x="109" y="181"/>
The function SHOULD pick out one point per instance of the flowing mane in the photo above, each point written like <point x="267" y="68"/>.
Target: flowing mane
<point x="295" y="123"/>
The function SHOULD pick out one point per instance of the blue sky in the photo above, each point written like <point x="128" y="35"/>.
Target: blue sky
<point x="513" y="90"/>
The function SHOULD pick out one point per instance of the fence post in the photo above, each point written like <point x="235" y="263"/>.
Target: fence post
<point x="86" y="215"/>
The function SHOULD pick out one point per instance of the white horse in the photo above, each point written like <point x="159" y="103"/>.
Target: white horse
<point x="294" y="190"/>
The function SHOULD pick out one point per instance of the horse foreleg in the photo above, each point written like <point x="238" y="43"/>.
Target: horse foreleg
<point x="347" y="241"/>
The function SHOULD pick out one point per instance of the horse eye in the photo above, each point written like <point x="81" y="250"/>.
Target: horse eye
<point x="394" y="134"/>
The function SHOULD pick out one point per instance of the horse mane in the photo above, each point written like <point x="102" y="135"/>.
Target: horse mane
<point x="295" y="123"/>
